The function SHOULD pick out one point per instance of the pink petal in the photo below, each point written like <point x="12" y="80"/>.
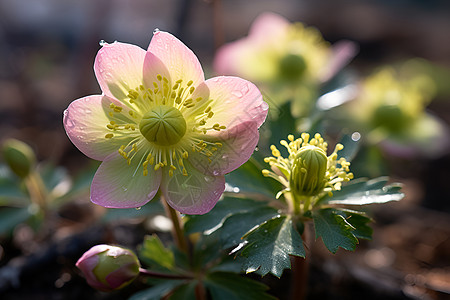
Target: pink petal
<point x="119" y="68"/>
<point x="235" y="101"/>
<point x="268" y="25"/>
<point x="85" y="123"/>
<point x="342" y="53"/>
<point x="231" y="58"/>
<point x="194" y="194"/>
<point x="179" y="59"/>
<point x="238" y="144"/>
<point x="119" y="185"/>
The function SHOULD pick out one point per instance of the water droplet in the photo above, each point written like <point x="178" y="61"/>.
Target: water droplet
<point x="124" y="188"/>
<point x="138" y="208"/>
<point x="356" y="136"/>
<point x="215" y="173"/>
<point x="102" y="43"/>
<point x="156" y="31"/>
<point x="87" y="111"/>
<point x="237" y="94"/>
<point x="236" y="190"/>
<point x="65" y="113"/>
<point x="264" y="106"/>
<point x="245" y="89"/>
<point x="69" y="124"/>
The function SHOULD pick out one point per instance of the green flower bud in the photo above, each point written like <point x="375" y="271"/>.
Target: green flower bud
<point x="19" y="157"/>
<point x="109" y="268"/>
<point x="308" y="171"/>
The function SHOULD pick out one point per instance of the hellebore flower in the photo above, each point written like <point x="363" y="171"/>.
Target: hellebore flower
<point x="109" y="268"/>
<point x="288" y="58"/>
<point x="160" y="125"/>
<point x="307" y="173"/>
<point x="390" y="110"/>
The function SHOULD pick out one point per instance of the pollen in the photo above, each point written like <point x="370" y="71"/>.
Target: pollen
<point x="163" y="122"/>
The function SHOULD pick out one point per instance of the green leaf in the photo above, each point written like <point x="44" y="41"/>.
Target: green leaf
<point x="362" y="192"/>
<point x="239" y="224"/>
<point x="230" y="286"/>
<point x="185" y="292"/>
<point x="155" y="255"/>
<point x="248" y="179"/>
<point x="334" y="229"/>
<point x="213" y="220"/>
<point x="158" y="291"/>
<point x="359" y="221"/>
<point x="10" y="217"/>
<point x="269" y="246"/>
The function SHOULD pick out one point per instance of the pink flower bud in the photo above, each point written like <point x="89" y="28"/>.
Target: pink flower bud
<point x="109" y="268"/>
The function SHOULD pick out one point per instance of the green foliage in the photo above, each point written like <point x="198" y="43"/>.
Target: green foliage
<point x="334" y="230"/>
<point x="269" y="246"/>
<point x="158" y="291"/>
<point x="362" y="192"/>
<point x="155" y="255"/>
<point x="229" y="286"/>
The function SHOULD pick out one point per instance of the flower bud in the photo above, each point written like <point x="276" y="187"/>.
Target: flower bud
<point x="308" y="171"/>
<point x="19" y="157"/>
<point x="109" y="268"/>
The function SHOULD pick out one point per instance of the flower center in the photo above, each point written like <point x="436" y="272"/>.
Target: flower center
<point x="163" y="125"/>
<point x="292" y="67"/>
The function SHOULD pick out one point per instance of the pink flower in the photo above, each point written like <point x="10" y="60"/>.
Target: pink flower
<point x="276" y="49"/>
<point x="160" y="125"/>
<point x="109" y="268"/>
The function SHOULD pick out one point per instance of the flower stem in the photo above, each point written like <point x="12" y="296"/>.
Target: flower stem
<point x="177" y="230"/>
<point x="37" y="191"/>
<point x="162" y="275"/>
<point x="300" y="270"/>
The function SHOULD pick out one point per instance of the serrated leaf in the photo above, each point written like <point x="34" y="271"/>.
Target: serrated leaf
<point x="334" y="230"/>
<point x="155" y="255"/>
<point x="230" y="286"/>
<point x="214" y="219"/>
<point x="269" y="246"/>
<point x="239" y="224"/>
<point x="359" y="221"/>
<point x="363" y="192"/>
<point x="158" y="291"/>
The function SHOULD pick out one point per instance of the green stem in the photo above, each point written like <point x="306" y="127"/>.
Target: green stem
<point x="148" y="273"/>
<point x="37" y="191"/>
<point x="177" y="230"/>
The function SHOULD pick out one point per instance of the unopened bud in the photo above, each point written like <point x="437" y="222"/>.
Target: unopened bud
<point x="308" y="171"/>
<point x="19" y="157"/>
<point x="109" y="268"/>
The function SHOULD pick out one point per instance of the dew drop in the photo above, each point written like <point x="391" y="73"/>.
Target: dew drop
<point x="356" y="136"/>
<point x="124" y="188"/>
<point x="264" y="106"/>
<point x="237" y="94"/>
<point x="245" y="89"/>
<point x="65" y="113"/>
<point x="102" y="43"/>
<point x="69" y="124"/>
<point x="215" y="172"/>
<point x="156" y="31"/>
<point x="138" y="208"/>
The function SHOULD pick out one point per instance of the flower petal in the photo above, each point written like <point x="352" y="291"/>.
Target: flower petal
<point x="85" y="123"/>
<point x="238" y="144"/>
<point x="119" y="68"/>
<point x="194" y="194"/>
<point x="179" y="59"/>
<point x="235" y="101"/>
<point x="268" y="25"/>
<point x="119" y="185"/>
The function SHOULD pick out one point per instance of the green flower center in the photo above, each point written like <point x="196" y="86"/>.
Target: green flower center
<point x="390" y="117"/>
<point x="163" y="125"/>
<point x="292" y="67"/>
<point x="308" y="171"/>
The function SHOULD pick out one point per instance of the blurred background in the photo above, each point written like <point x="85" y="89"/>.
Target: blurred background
<point x="47" y="50"/>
